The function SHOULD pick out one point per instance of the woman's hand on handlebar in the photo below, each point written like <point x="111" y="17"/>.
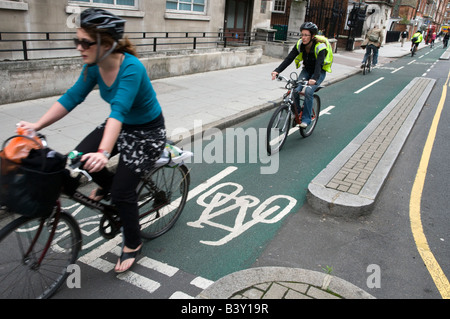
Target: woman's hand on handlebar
<point x="94" y="162"/>
<point x="274" y="75"/>
<point x="312" y="82"/>
<point x="28" y="126"/>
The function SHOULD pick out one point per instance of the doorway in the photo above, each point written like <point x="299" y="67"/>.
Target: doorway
<point x="238" y="15"/>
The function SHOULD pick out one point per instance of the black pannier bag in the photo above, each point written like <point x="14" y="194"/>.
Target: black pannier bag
<point x="32" y="186"/>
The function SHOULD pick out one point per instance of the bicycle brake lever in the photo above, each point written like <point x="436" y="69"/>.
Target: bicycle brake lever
<point x="82" y="171"/>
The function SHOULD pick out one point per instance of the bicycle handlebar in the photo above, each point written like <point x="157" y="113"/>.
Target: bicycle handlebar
<point x="76" y="165"/>
<point x="303" y="81"/>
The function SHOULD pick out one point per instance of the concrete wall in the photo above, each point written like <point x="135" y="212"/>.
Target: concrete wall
<point x="25" y="80"/>
<point x="57" y="15"/>
<point x="148" y="16"/>
<point x="53" y="15"/>
<point x="280" y="50"/>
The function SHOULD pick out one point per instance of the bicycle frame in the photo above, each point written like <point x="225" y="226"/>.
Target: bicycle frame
<point x="288" y="97"/>
<point x="50" y="238"/>
<point x="54" y="240"/>
<point x="368" y="64"/>
<point x="109" y="211"/>
<point x="280" y="121"/>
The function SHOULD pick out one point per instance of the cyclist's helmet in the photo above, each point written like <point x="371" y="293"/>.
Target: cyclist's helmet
<point x="311" y="27"/>
<point x="103" y="20"/>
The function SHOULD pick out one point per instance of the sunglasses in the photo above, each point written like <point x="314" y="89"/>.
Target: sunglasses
<point x="85" y="44"/>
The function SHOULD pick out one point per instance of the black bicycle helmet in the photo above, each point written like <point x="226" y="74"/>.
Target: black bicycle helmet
<point x="103" y="20"/>
<point x="311" y="27"/>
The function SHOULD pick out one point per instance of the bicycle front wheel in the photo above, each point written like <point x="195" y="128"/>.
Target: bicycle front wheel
<point x="315" y="112"/>
<point x="161" y="199"/>
<point x="278" y="129"/>
<point x="33" y="264"/>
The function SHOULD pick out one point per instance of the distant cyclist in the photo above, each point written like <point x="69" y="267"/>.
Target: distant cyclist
<point x="416" y="39"/>
<point x="372" y="42"/>
<point x="317" y="57"/>
<point x="433" y="38"/>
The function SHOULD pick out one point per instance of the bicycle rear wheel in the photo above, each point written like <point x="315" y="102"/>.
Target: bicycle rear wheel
<point x="413" y="50"/>
<point x="23" y="275"/>
<point x="365" y="68"/>
<point x="278" y="129"/>
<point x="367" y="65"/>
<point x="161" y="199"/>
<point x="307" y="131"/>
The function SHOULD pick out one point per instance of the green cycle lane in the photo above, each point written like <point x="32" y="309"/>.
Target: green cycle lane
<point x="234" y="210"/>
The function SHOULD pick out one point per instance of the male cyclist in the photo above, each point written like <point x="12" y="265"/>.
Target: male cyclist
<point x="416" y="39"/>
<point x="374" y="39"/>
<point x="317" y="56"/>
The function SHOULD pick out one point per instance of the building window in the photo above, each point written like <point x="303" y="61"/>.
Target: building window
<point x="279" y="6"/>
<point x="110" y="3"/>
<point x="263" y="6"/>
<point x="193" y="6"/>
<point x="13" y="5"/>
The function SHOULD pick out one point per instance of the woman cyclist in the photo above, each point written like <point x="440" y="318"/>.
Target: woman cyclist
<point x="316" y="56"/>
<point x="134" y="127"/>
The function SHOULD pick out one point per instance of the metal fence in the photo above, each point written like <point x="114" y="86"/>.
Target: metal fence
<point x="21" y="45"/>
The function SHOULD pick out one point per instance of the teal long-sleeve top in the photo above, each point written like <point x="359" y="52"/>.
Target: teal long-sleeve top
<point x="131" y="96"/>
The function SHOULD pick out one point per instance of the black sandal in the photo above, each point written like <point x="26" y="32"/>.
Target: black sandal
<point x="128" y="255"/>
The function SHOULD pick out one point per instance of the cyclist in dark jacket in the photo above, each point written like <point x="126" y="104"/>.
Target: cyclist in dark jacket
<point x="313" y="51"/>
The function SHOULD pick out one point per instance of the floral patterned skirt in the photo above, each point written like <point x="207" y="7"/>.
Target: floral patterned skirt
<point x="140" y="146"/>
<point x="140" y="149"/>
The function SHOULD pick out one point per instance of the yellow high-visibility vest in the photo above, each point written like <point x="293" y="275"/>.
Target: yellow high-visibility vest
<point x="322" y="44"/>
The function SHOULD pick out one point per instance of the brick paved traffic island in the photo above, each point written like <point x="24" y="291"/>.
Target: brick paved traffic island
<point x="350" y="184"/>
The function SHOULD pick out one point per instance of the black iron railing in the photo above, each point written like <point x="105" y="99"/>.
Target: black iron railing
<point x="27" y="42"/>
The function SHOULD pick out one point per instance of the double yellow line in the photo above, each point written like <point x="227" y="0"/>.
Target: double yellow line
<point x="430" y="261"/>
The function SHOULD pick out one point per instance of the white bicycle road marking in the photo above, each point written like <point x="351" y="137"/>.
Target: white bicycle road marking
<point x="227" y="202"/>
<point x="218" y="203"/>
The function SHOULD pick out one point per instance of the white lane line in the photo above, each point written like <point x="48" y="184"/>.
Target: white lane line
<point x="295" y="128"/>
<point x="325" y="111"/>
<point x="211" y="181"/>
<point x="397" y="69"/>
<point x="201" y="282"/>
<point x="139" y="281"/>
<point x="369" y="85"/>
<point x="158" y="266"/>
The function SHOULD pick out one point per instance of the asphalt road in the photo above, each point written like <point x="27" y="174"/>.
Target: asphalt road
<point x="384" y="239"/>
<point x="253" y="211"/>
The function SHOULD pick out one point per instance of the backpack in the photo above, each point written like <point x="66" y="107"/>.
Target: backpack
<point x="373" y="37"/>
